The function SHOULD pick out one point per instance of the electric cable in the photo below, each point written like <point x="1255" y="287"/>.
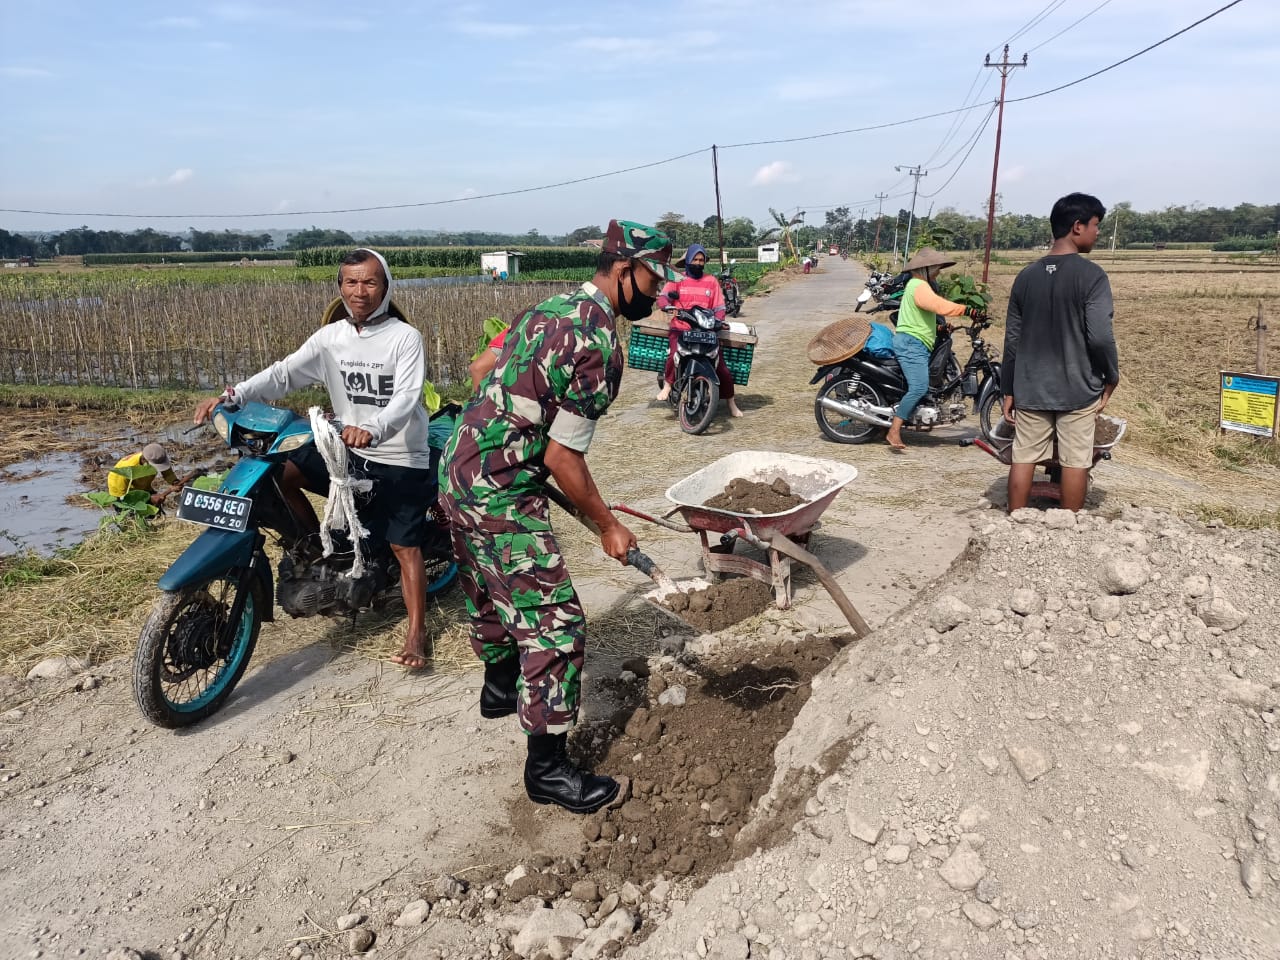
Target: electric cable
<point x="1134" y="56"/>
<point x="1074" y="23"/>
<point x="972" y="143"/>
<point x="631" y="169"/>
<point x="383" y="206"/>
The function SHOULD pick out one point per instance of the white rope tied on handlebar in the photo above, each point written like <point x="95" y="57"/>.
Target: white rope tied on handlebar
<point x="340" y="510"/>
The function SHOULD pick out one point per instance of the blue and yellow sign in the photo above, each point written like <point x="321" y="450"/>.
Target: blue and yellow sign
<point x="1248" y="403"/>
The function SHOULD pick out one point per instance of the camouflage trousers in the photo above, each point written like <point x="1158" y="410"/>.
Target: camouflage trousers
<point x="522" y="604"/>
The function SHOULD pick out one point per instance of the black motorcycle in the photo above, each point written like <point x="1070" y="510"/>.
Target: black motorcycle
<point x="856" y="401"/>
<point x="884" y="288"/>
<point x="696" y="391"/>
<point x="732" y="292"/>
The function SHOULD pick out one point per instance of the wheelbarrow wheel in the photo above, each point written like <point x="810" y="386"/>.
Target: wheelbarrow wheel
<point x="990" y="412"/>
<point x="698" y="405"/>
<point x="838" y="426"/>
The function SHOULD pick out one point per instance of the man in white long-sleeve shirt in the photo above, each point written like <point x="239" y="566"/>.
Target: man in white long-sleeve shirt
<point x="372" y="363"/>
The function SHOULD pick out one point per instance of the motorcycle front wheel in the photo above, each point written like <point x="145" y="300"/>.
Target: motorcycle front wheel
<point x="698" y="403"/>
<point x="990" y="412"/>
<point x="838" y="426"/>
<point x="188" y="661"/>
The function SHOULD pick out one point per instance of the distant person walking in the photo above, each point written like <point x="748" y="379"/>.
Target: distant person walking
<point x="1060" y="359"/>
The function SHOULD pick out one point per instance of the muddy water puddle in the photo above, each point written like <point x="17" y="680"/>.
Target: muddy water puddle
<point x="35" y="512"/>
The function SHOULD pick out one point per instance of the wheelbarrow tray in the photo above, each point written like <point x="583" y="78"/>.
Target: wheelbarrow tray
<point x="816" y="480"/>
<point x="1000" y="445"/>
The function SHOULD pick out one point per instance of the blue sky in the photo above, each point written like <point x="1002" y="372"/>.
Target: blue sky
<point x="271" y="107"/>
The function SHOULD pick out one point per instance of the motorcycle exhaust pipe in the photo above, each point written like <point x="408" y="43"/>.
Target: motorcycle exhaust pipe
<point x="866" y="414"/>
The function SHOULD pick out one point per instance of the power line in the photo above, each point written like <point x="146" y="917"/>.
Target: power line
<point x="642" y="166"/>
<point x="1118" y="63"/>
<point x="383" y="206"/>
<point x="840" y="133"/>
<point x="1069" y="26"/>
<point x="1026" y="26"/>
<point x="1037" y="20"/>
<point x="972" y="143"/>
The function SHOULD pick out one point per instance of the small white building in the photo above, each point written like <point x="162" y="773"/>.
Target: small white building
<point x="503" y="261"/>
<point x="767" y="253"/>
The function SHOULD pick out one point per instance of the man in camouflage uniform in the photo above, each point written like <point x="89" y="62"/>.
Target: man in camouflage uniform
<point x="532" y="421"/>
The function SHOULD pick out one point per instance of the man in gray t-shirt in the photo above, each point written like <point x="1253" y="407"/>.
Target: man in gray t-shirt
<point x="1060" y="362"/>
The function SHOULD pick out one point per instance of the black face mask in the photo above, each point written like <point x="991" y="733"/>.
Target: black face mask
<point x="638" y="306"/>
<point x="694" y="270"/>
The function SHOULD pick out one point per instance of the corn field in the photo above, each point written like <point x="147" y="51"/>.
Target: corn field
<point x="119" y="333"/>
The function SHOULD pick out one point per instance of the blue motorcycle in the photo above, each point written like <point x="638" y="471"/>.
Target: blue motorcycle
<point x="196" y="643"/>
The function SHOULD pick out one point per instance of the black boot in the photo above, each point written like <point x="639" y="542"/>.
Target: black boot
<point x="498" y="695"/>
<point x="549" y="777"/>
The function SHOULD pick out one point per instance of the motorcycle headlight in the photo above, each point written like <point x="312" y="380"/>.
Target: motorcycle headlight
<point x="289" y="444"/>
<point x="706" y="320"/>
<point x="223" y="426"/>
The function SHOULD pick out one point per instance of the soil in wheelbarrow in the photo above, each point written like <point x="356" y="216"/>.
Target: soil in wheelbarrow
<point x="755" y="497"/>
<point x="722" y="604"/>
<point x="1105" y="431"/>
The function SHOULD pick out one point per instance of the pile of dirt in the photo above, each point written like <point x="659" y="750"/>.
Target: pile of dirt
<point x="754" y="497"/>
<point x="722" y="604"/>
<point x="1070" y="750"/>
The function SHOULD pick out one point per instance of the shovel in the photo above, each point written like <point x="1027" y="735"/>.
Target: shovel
<point x="666" y="586"/>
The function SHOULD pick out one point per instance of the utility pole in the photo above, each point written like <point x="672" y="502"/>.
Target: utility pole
<point x="715" y="173"/>
<point x="881" y="197"/>
<point x="917" y="173"/>
<point x="1004" y="66"/>
<point x="862" y="234"/>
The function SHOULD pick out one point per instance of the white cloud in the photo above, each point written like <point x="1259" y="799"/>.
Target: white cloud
<point x="486" y="28"/>
<point x="181" y="175"/>
<point x="777" y="172"/>
<point x="25" y="73"/>
<point x="177" y="23"/>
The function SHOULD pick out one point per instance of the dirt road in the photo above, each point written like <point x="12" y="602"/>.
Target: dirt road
<point x="333" y="785"/>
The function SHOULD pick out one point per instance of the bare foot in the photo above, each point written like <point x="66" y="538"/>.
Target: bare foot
<point x="664" y="393"/>
<point x="895" y="441"/>
<point x="414" y="656"/>
<point x="733" y="409"/>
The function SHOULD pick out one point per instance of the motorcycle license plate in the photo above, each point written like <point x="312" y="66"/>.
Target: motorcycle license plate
<point x="698" y="336"/>
<point x="221" y="510"/>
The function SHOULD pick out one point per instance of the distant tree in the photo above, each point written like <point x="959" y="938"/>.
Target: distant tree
<point x="315" y="237"/>
<point x="584" y="233"/>
<point x="681" y="231"/>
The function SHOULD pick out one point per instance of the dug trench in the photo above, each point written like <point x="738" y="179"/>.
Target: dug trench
<point x="691" y="740"/>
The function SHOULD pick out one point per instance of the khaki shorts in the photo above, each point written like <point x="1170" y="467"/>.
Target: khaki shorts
<point x="1038" y="432"/>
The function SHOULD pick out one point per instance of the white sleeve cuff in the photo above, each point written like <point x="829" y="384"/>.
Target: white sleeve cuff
<point x="572" y="431"/>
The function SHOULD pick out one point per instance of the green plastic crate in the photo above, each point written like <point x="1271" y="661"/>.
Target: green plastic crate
<point x="647" y="352"/>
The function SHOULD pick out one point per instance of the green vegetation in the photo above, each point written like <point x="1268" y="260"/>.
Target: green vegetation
<point x="218" y="256"/>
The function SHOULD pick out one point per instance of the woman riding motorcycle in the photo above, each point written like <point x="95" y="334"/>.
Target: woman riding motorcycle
<point x="697" y="289"/>
<point x="919" y="319"/>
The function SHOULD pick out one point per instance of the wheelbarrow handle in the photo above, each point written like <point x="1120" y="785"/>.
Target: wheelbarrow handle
<point x="660" y="521"/>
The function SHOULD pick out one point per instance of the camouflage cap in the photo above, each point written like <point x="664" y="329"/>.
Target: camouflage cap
<point x="649" y="245"/>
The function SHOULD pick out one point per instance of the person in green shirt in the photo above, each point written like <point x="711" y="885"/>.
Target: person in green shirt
<point x="919" y="319"/>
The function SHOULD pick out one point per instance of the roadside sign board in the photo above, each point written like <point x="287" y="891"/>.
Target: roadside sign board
<point x="1247" y="403"/>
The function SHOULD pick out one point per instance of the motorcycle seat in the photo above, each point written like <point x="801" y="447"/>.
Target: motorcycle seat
<point x="888" y="363"/>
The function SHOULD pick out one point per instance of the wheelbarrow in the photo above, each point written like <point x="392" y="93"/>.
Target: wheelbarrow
<point x="782" y="536"/>
<point x="1000" y="446"/>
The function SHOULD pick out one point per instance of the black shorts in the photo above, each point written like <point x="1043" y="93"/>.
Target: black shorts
<point x="395" y="509"/>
